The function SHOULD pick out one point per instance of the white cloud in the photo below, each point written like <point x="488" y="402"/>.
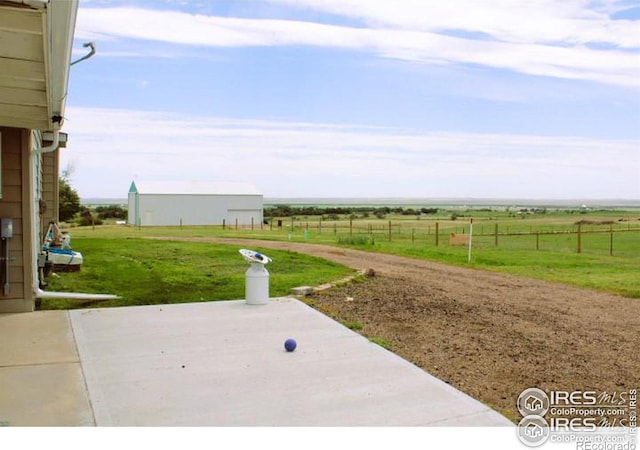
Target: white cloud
<point x="109" y="148"/>
<point x="520" y="38"/>
<point x="518" y="21"/>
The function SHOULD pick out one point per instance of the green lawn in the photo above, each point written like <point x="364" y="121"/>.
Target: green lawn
<point x="120" y="261"/>
<point x="541" y="246"/>
<point x="146" y="272"/>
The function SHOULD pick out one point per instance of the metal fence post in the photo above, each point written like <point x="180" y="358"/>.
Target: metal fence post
<point x="579" y="238"/>
<point x="610" y="240"/>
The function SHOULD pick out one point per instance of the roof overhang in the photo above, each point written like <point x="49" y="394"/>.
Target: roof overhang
<point x="48" y="137"/>
<point x="36" y="38"/>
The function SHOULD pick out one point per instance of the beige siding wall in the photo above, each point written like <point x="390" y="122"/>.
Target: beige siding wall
<point x="16" y="192"/>
<point x="49" y="205"/>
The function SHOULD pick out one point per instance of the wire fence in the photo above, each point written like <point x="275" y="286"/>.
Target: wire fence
<point x="610" y="238"/>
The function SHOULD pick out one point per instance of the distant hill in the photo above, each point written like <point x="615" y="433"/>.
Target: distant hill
<point x="103" y="201"/>
<point x="443" y="202"/>
<point x="398" y="201"/>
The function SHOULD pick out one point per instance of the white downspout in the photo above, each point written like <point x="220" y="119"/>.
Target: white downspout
<point x="74" y="295"/>
<point x="54" y="145"/>
<point x="35" y="153"/>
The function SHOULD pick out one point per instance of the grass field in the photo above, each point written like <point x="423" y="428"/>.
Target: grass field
<point x="146" y="272"/>
<point x="541" y="245"/>
<point x="545" y="246"/>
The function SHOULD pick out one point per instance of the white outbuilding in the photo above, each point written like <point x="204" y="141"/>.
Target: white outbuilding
<point x="167" y="203"/>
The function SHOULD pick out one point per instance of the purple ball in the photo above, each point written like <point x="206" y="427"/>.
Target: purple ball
<point x="290" y="345"/>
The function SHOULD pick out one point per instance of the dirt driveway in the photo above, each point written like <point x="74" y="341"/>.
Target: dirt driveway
<point x="490" y="335"/>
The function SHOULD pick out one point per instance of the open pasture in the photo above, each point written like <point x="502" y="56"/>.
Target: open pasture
<point x="595" y="249"/>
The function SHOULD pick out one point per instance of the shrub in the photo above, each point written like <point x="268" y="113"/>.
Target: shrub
<point x="86" y="218"/>
<point x="356" y="240"/>
<point x="380" y="214"/>
<point x="111" y="212"/>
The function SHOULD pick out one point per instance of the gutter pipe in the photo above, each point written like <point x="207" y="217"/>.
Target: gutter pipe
<point x="56" y="138"/>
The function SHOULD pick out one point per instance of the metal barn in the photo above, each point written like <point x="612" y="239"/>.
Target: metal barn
<point x="170" y="203"/>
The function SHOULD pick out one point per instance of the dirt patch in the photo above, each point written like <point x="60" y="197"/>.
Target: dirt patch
<point x="494" y="343"/>
<point x="490" y="335"/>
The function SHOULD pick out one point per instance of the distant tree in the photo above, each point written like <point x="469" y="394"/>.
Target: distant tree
<point x="87" y="218"/>
<point x="69" y="200"/>
<point x="380" y="214"/>
<point x="111" y="212"/>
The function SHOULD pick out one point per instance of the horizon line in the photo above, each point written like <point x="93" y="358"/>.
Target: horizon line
<point x="437" y="200"/>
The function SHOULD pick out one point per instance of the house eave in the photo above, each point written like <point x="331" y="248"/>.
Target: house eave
<point x="35" y="62"/>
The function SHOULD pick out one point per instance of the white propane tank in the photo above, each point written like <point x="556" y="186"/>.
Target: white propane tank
<point x="257" y="278"/>
<point x="257" y="285"/>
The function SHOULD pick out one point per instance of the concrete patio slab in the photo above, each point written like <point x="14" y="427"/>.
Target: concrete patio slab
<point x="36" y="338"/>
<point x="44" y="395"/>
<point x="213" y="364"/>
<point x="224" y="364"/>
<point x="41" y="380"/>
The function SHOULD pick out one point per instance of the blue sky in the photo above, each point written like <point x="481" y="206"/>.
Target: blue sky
<point x="359" y="98"/>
